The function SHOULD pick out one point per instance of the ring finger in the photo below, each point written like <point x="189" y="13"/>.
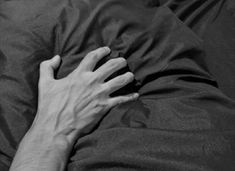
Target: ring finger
<point x="119" y="82"/>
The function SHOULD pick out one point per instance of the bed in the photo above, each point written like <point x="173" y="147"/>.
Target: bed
<point x="182" y="55"/>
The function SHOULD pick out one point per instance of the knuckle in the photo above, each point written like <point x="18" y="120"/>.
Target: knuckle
<point x="101" y="104"/>
<point x="91" y="79"/>
<point x="119" y="101"/>
<point x="100" y="90"/>
<point x="81" y="77"/>
<point x="124" y="99"/>
<point x="105" y="88"/>
<point x="95" y="56"/>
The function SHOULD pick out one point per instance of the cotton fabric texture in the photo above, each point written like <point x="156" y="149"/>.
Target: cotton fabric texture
<point x="182" y="55"/>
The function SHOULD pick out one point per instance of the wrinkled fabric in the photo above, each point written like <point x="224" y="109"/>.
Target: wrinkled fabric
<point x="214" y="22"/>
<point x="181" y="121"/>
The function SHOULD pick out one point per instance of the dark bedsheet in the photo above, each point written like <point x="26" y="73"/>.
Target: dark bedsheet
<point x="214" y="22"/>
<point x="182" y="121"/>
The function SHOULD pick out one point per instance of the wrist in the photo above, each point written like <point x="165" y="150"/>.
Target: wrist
<point x="46" y="139"/>
<point x="40" y="150"/>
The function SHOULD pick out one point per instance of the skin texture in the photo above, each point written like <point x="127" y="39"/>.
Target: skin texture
<point x="68" y="108"/>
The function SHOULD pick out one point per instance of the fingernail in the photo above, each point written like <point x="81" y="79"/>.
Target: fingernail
<point x="57" y="56"/>
<point x="107" y="48"/>
<point x="135" y="95"/>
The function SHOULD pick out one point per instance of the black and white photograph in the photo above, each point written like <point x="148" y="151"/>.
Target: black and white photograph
<point x="117" y="85"/>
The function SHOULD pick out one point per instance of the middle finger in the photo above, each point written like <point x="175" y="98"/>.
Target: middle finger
<point x="110" y="67"/>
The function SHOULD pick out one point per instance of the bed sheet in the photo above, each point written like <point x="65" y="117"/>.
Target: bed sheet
<point x="214" y="22"/>
<point x="182" y="121"/>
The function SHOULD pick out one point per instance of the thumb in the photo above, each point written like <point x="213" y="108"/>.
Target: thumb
<point x="55" y="62"/>
<point x="47" y="67"/>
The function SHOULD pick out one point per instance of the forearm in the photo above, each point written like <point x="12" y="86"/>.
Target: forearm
<point x="40" y="150"/>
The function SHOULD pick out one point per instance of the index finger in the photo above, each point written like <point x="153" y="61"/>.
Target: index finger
<point x="92" y="58"/>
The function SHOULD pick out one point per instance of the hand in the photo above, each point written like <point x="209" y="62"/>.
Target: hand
<point x="68" y="106"/>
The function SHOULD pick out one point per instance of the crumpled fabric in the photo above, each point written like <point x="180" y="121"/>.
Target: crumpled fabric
<point x="181" y="121"/>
